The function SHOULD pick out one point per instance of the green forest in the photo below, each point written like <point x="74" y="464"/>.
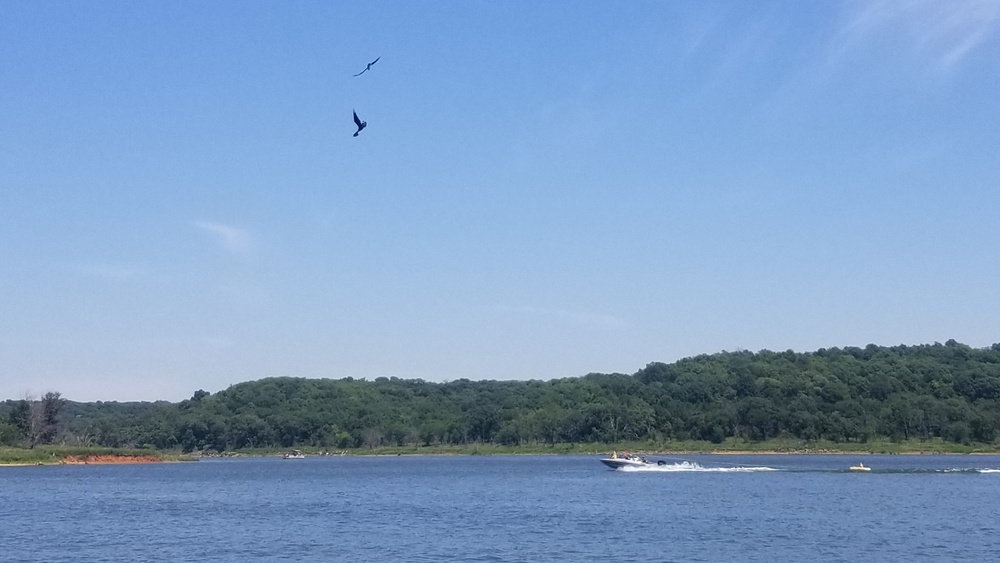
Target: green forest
<point x="947" y="391"/>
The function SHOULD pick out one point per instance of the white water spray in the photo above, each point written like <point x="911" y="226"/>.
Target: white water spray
<point x="691" y="467"/>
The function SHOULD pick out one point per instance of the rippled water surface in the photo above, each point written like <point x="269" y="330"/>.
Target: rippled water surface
<point x="695" y="508"/>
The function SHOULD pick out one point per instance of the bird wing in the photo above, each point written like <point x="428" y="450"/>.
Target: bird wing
<point x="360" y="73"/>
<point x="375" y="61"/>
<point x="356" y="120"/>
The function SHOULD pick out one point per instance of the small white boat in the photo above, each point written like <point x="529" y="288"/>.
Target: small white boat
<point x="859" y="467"/>
<point x="296" y="454"/>
<point x="625" y="460"/>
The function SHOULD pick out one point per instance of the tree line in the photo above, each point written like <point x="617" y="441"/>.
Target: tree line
<point x="949" y="391"/>
<point x="31" y="421"/>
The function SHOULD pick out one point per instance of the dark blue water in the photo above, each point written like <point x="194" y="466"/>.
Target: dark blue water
<point x="721" y="508"/>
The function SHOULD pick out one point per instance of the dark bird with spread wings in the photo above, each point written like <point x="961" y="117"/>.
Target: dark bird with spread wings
<point x="369" y="67"/>
<point x="361" y="124"/>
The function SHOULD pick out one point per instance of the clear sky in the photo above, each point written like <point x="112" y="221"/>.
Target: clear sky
<point x="544" y="189"/>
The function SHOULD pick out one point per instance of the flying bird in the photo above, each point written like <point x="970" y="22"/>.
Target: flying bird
<point x="361" y="124"/>
<point x="367" y="68"/>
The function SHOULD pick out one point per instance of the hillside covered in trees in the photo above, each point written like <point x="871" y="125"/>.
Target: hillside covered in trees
<point x="949" y="391"/>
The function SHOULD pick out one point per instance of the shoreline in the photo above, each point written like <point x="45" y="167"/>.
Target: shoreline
<point x="96" y="458"/>
<point x="108" y="460"/>
<point x="88" y="460"/>
<point x="231" y="455"/>
<point x="144" y="460"/>
<point x="18" y="457"/>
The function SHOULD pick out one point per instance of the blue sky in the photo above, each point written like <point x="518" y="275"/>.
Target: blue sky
<point x="544" y="189"/>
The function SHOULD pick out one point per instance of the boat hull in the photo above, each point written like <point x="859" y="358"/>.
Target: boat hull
<point x="618" y="463"/>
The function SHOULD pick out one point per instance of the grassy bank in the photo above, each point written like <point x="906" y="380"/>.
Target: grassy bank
<point x="56" y="455"/>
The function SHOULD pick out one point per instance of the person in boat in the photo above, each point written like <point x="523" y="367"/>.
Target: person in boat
<point x="614" y="455"/>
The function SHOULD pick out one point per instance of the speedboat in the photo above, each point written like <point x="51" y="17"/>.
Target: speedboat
<point x="296" y="454"/>
<point x="859" y="467"/>
<point x="619" y="461"/>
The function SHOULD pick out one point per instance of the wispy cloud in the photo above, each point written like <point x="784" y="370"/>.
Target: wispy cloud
<point x="945" y="32"/>
<point x="233" y="239"/>
<point x="589" y="320"/>
<point x="110" y="272"/>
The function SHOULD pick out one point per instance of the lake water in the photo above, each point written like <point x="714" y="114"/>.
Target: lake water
<point x="532" y="508"/>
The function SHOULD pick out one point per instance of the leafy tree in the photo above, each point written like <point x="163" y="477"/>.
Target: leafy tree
<point x="52" y="405"/>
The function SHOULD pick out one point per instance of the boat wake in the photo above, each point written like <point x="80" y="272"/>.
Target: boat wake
<point x="694" y="467"/>
<point x="959" y="470"/>
<point x="687" y="466"/>
<point x="972" y="471"/>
